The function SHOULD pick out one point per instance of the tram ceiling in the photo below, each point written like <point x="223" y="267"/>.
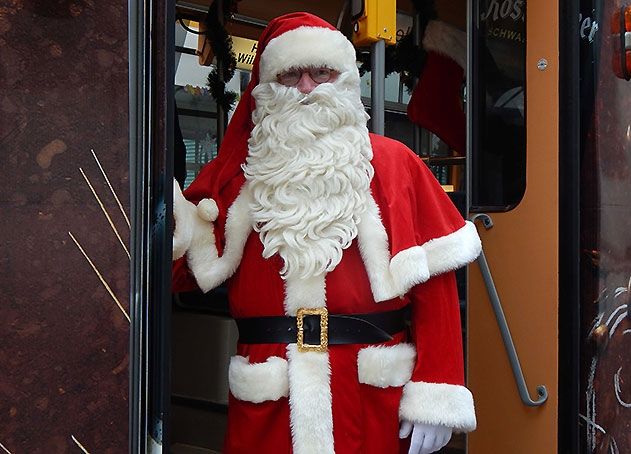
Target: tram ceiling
<point x="268" y="10"/>
<point x="451" y="11"/>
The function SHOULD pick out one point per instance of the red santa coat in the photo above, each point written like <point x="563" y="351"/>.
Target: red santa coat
<point x="350" y="399"/>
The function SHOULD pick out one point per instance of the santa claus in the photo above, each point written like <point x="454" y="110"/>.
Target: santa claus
<point x="327" y="237"/>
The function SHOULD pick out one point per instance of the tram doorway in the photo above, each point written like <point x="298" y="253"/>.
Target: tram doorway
<point x="203" y="334"/>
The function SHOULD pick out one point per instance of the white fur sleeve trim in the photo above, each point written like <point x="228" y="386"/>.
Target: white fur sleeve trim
<point x="209" y="269"/>
<point x="417" y="264"/>
<point x="326" y="47"/>
<point x="409" y="267"/>
<point x="453" y="251"/>
<point x="386" y="365"/>
<point x="446" y="40"/>
<point x="438" y="404"/>
<point x="393" y="277"/>
<point x="258" y="382"/>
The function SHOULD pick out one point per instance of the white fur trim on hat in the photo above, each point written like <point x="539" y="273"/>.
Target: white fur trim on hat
<point x="386" y="365"/>
<point x="446" y="40"/>
<point x="258" y="382"/>
<point x="438" y="404"/>
<point x="307" y="47"/>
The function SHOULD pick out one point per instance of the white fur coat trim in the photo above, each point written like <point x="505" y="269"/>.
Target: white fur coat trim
<point x="446" y="40"/>
<point x="305" y="293"/>
<point x="310" y="402"/>
<point x="372" y="240"/>
<point x="438" y="404"/>
<point x="393" y="277"/>
<point x="325" y="47"/>
<point x="385" y="366"/>
<point x="209" y="269"/>
<point x="258" y="382"/>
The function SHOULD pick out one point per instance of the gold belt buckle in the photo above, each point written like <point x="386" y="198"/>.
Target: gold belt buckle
<point x="323" y="346"/>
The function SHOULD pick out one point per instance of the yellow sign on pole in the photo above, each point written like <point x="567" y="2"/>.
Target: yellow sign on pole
<point x="374" y="20"/>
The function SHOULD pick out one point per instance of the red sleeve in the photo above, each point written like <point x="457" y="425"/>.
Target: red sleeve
<point x="182" y="280"/>
<point x="437" y="331"/>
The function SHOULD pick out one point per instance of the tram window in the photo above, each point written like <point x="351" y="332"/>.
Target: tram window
<point x="395" y="91"/>
<point x="498" y="136"/>
<point x="196" y="109"/>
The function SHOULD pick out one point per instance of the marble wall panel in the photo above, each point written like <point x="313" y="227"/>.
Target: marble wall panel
<point x="605" y="405"/>
<point x="64" y="266"/>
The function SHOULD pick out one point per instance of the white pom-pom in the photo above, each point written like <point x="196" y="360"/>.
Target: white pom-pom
<point x="207" y="210"/>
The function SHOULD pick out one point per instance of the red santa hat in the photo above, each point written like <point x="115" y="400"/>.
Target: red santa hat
<point x="294" y="40"/>
<point x="436" y="102"/>
<point x="290" y="41"/>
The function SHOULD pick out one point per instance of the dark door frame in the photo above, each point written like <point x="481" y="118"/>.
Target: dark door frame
<point x="151" y="110"/>
<point x="569" y="227"/>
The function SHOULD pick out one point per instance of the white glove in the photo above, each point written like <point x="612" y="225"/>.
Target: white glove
<point x="183" y="212"/>
<point x="426" y="438"/>
<point x="189" y="218"/>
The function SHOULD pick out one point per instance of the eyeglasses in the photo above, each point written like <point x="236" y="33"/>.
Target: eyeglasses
<point x="319" y="75"/>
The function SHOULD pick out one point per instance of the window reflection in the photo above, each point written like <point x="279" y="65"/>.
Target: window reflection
<point x="498" y="128"/>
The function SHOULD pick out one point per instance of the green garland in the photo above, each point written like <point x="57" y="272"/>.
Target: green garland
<point x="405" y="57"/>
<point x="221" y="44"/>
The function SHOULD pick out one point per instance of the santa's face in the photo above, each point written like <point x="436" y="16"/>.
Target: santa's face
<point x="306" y="79"/>
<point x="309" y="172"/>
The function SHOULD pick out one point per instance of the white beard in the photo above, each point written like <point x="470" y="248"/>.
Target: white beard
<point x="309" y="172"/>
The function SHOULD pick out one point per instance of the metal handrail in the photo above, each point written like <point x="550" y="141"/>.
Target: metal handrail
<point x="520" y="381"/>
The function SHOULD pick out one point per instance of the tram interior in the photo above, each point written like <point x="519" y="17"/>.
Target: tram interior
<point x="203" y="334"/>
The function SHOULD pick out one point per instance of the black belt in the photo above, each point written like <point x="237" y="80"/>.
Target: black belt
<point x="315" y="329"/>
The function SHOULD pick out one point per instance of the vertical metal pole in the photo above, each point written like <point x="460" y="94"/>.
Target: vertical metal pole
<point x="140" y="133"/>
<point x="472" y="16"/>
<point x="378" y="86"/>
<point x="416" y="30"/>
<point x="221" y="115"/>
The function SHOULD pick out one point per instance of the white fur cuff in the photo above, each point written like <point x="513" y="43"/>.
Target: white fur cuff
<point x="258" y="382"/>
<point x="417" y="264"/>
<point x="452" y="251"/>
<point x="438" y="404"/>
<point x="409" y="267"/>
<point x="385" y="366"/>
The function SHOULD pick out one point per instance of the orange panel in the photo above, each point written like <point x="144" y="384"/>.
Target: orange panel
<point x="522" y="251"/>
